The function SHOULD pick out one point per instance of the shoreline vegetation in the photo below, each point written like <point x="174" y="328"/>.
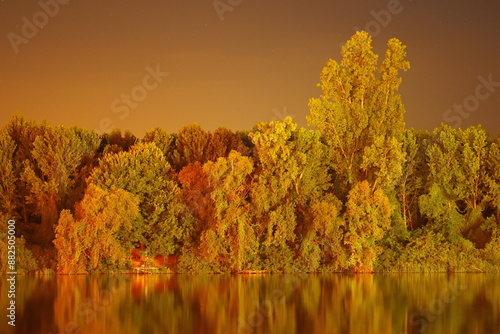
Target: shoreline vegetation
<point x="359" y="193"/>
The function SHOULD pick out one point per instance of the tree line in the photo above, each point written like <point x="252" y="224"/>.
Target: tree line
<point x="360" y="192"/>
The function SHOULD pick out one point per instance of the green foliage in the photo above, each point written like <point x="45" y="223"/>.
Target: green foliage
<point x="491" y="252"/>
<point x="222" y="142"/>
<point x="367" y="218"/>
<point x="432" y="252"/>
<point x="196" y="196"/>
<point x="458" y="176"/>
<point x="278" y="258"/>
<point x="90" y="239"/>
<point x="358" y="108"/>
<point x="493" y="177"/>
<point x="413" y="179"/>
<point x="7" y="175"/>
<point x="164" y="141"/>
<point x="144" y="172"/>
<point x="233" y="242"/>
<point x="310" y="253"/>
<point x="23" y="133"/>
<point x="442" y="211"/>
<point x="359" y="193"/>
<point x="428" y="252"/>
<point x="291" y="175"/>
<point x="191" y="145"/>
<point x="197" y="261"/>
<point x="69" y="244"/>
<point x="384" y="159"/>
<point x="327" y="232"/>
<point x="116" y="141"/>
<point x="24" y="259"/>
<point x="57" y="158"/>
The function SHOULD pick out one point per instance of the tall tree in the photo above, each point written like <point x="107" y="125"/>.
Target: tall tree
<point x="359" y="108"/>
<point x="196" y="196"/>
<point x="117" y="141"/>
<point x="23" y="132"/>
<point x="57" y="158"/>
<point x="165" y="141"/>
<point x="291" y="175"/>
<point x="144" y="172"/>
<point x="324" y="239"/>
<point x="222" y="142"/>
<point x="233" y="241"/>
<point x="90" y="240"/>
<point x="191" y="145"/>
<point x="414" y="177"/>
<point x="361" y="116"/>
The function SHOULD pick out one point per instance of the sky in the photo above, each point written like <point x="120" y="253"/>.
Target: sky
<point x="136" y="65"/>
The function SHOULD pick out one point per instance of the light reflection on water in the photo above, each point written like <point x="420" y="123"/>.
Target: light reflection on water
<point x="288" y="303"/>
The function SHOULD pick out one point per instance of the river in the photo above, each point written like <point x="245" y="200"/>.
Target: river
<point x="277" y="303"/>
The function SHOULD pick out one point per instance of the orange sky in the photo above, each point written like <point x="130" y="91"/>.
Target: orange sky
<point x="92" y="63"/>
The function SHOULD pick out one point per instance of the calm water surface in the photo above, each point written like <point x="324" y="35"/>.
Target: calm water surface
<point x="290" y="303"/>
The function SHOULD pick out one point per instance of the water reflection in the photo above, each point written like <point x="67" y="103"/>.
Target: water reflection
<point x="290" y="303"/>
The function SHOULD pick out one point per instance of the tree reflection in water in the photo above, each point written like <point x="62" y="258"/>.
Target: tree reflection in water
<point x="281" y="303"/>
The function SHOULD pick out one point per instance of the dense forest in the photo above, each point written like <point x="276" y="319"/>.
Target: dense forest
<point x="355" y="192"/>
